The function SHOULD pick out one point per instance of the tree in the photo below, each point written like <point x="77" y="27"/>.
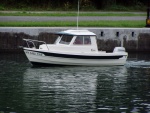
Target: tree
<point x="61" y="4"/>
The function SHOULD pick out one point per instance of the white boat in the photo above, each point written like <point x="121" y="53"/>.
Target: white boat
<point x="73" y="47"/>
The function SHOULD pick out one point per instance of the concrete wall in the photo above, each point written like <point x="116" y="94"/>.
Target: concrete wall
<point x="133" y="39"/>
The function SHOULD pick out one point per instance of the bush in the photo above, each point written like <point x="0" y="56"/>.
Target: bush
<point x="2" y="7"/>
<point x="117" y="8"/>
<point x="136" y="7"/>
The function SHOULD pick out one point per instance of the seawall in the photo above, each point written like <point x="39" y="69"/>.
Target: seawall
<point x="133" y="39"/>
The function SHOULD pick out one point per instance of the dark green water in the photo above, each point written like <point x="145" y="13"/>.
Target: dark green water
<point x="117" y="89"/>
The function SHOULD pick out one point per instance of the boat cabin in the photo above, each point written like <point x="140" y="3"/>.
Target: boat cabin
<point x="73" y="41"/>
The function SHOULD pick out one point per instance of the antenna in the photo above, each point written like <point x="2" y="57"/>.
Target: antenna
<point x="78" y="16"/>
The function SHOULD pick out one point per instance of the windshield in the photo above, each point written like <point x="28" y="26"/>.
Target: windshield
<point x="66" y="39"/>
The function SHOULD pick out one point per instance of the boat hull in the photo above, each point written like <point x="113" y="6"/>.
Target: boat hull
<point x="47" y="58"/>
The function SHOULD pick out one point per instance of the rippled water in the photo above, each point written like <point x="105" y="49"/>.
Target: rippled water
<point x="24" y="89"/>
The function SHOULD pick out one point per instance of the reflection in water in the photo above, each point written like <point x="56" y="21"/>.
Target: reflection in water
<point x="74" y="89"/>
<point x="66" y="88"/>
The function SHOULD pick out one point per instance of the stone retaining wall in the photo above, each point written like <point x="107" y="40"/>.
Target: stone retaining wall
<point x="133" y="39"/>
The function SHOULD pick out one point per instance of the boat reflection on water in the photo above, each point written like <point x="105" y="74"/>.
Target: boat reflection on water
<point x="72" y="88"/>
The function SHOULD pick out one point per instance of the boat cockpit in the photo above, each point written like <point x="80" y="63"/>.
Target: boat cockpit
<point x="80" y="41"/>
<point x="72" y="42"/>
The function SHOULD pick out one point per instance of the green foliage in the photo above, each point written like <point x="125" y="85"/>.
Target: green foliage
<point x="117" y="8"/>
<point x="68" y="5"/>
<point x="2" y="7"/>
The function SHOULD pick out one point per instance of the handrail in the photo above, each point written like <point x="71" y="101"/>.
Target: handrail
<point x="32" y="41"/>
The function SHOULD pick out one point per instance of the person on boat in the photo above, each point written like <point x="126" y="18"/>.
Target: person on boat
<point x="87" y="41"/>
<point x="78" y="40"/>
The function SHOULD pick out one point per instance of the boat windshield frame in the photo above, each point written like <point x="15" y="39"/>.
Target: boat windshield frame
<point x="66" y="39"/>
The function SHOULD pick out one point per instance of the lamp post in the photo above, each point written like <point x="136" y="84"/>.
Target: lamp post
<point x="148" y="15"/>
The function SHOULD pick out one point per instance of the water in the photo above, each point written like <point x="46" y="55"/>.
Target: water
<point x="120" y="89"/>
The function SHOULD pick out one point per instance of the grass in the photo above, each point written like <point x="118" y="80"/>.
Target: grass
<point x="130" y="24"/>
<point x="24" y="13"/>
<point x="100" y="23"/>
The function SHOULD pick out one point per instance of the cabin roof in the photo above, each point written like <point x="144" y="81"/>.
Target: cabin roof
<point x="76" y="32"/>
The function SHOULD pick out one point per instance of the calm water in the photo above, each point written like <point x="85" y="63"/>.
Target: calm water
<point x="120" y="89"/>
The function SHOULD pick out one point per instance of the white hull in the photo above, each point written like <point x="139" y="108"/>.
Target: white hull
<point x="38" y="57"/>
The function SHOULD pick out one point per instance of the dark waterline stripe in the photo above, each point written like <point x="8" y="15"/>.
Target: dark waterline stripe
<point x="77" y="56"/>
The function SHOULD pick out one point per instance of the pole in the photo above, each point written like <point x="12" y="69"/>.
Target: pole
<point x="148" y="15"/>
<point x="78" y="16"/>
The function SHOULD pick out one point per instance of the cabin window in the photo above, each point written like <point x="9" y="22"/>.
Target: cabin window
<point x="66" y="39"/>
<point x="82" y="40"/>
<point x="79" y="40"/>
<point x="87" y="40"/>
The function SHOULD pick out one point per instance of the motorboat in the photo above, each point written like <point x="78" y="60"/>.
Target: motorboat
<point x="73" y="47"/>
